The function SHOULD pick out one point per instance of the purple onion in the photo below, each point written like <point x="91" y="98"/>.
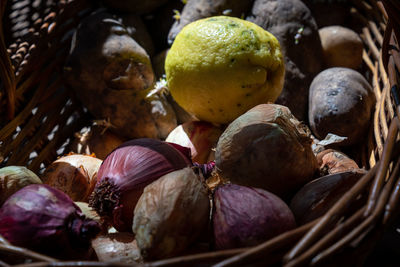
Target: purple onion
<point x="206" y="168"/>
<point x="245" y="216"/>
<point x="46" y="220"/>
<point x="127" y="170"/>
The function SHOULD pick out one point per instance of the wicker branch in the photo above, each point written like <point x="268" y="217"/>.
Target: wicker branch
<point x="267" y="248"/>
<point x="6" y="70"/>
<point x="366" y="225"/>
<point x="382" y="169"/>
<point x="202" y="258"/>
<point x="331" y="217"/>
<point x="24" y="253"/>
<point x="28" y="86"/>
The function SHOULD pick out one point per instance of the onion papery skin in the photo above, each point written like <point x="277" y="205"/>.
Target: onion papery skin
<point x="117" y="248"/>
<point x="75" y="175"/>
<point x="13" y="178"/>
<point x="206" y="168"/>
<point x="268" y="148"/>
<point x="125" y="173"/>
<point x="46" y="220"/>
<point x="245" y="216"/>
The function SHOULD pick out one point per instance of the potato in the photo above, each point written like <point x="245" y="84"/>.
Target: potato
<point x="342" y="47"/>
<point x="341" y="102"/>
<point x="292" y="23"/>
<point x="112" y="76"/>
<point x="138" y="31"/>
<point x="160" y="22"/>
<point x="134" y="6"/>
<point x="332" y="12"/>
<point x="198" y="9"/>
<point x="96" y="140"/>
<point x="159" y="63"/>
<point x="318" y="196"/>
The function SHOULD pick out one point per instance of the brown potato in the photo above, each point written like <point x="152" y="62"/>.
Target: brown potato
<point x="159" y="63"/>
<point x="96" y="140"/>
<point x="160" y="22"/>
<point x="112" y="76"/>
<point x="341" y="102"/>
<point x="198" y="9"/>
<point x="332" y="12"/>
<point x="134" y="6"/>
<point x="138" y="31"/>
<point x="342" y="47"/>
<point x="319" y="195"/>
<point x="292" y="23"/>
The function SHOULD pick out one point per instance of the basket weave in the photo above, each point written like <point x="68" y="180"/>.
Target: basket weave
<point x="38" y="118"/>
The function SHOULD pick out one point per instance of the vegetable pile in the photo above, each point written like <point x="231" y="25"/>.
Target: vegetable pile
<point x="230" y="147"/>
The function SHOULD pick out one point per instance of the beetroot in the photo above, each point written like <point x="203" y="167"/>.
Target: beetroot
<point x="245" y="216"/>
<point x="46" y="220"/>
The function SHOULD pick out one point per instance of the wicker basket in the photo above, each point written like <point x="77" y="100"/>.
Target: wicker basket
<point x="38" y="118"/>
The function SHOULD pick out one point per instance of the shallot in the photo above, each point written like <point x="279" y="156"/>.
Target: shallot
<point x="245" y="216"/>
<point x="46" y="220"/>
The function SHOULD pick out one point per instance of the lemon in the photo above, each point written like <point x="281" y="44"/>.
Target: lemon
<point x="220" y="67"/>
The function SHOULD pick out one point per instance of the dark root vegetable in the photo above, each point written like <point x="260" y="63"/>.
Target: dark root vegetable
<point x="45" y="219"/>
<point x="267" y="147"/>
<point x="245" y="216"/>
<point x="134" y="6"/>
<point x="127" y="171"/>
<point x="342" y="47"/>
<point x="106" y="62"/>
<point x="293" y="24"/>
<point x="96" y="140"/>
<point x="195" y="10"/>
<point x="341" y="102"/>
<point x="319" y="195"/>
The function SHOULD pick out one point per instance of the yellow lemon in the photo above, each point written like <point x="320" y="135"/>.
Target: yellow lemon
<point x="220" y="67"/>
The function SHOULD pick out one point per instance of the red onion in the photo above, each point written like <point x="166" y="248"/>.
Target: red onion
<point x="245" y="216"/>
<point x="127" y="170"/>
<point x="206" y="169"/>
<point x="46" y="220"/>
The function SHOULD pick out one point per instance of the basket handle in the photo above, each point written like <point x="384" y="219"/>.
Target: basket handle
<point x="6" y="69"/>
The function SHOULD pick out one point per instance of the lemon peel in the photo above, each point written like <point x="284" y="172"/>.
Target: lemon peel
<point x="219" y="67"/>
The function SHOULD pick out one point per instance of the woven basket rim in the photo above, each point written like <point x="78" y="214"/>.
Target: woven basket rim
<point x="309" y="243"/>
